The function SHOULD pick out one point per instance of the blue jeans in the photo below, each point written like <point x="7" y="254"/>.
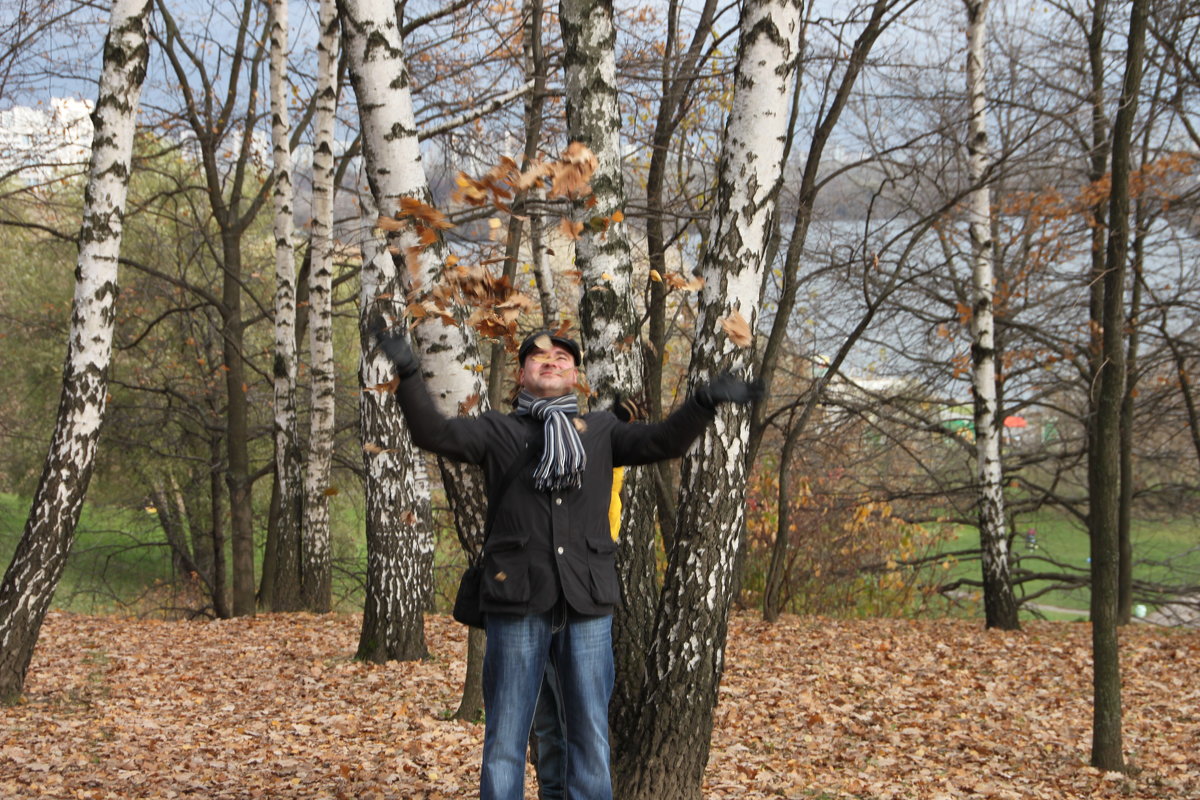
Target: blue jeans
<point x="514" y="663"/>
<point x="551" y="731"/>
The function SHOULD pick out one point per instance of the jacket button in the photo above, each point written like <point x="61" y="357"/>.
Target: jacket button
<point x="558" y="501"/>
<point x="560" y="551"/>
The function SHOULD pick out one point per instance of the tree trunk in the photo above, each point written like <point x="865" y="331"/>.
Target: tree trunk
<point x="37" y="564"/>
<point x="317" y="563"/>
<point x="237" y="430"/>
<point x="1000" y="606"/>
<point x="470" y="708"/>
<point x="216" y="487"/>
<point x="449" y="354"/>
<point x="678" y="79"/>
<point x="668" y="748"/>
<point x="285" y="586"/>
<point x="610" y="325"/>
<point x="399" y="539"/>
<point x="1128" y="410"/>
<point x="1104" y="464"/>
<point x="174" y="526"/>
<point x="223" y="141"/>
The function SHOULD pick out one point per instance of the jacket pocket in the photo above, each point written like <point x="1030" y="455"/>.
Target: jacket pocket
<point x="506" y="572"/>
<point x="602" y="558"/>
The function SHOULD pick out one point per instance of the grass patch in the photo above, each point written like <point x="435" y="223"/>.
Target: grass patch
<point x="118" y="554"/>
<point x="1166" y="552"/>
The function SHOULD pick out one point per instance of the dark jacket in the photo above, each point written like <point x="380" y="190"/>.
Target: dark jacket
<point x="544" y="543"/>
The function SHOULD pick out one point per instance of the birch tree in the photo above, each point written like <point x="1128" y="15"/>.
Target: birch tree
<point x="609" y="322"/>
<point x="1000" y="606"/>
<point x="399" y="540"/>
<point x="667" y="754"/>
<point x="37" y="565"/>
<point x="285" y="589"/>
<point x="316" y="572"/>
<point x="449" y="354"/>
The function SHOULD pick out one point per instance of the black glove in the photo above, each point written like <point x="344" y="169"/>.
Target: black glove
<point x="395" y="346"/>
<point x="627" y="409"/>
<point x="725" y="388"/>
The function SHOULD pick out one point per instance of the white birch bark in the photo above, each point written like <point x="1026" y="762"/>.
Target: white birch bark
<point x="999" y="604"/>
<point x="610" y="326"/>
<point x="449" y="355"/>
<point x="37" y="565"/>
<point x="608" y="318"/>
<point x="399" y="539"/>
<point x="286" y="590"/>
<point x="317" y="560"/>
<point x="688" y="646"/>
<point x="543" y="273"/>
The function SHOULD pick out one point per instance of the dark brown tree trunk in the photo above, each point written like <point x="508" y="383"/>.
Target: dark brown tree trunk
<point x="220" y="581"/>
<point x="237" y="431"/>
<point x="1104" y="464"/>
<point x="470" y="707"/>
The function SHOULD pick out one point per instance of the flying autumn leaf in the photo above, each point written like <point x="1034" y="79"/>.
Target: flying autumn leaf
<point x="465" y="406"/>
<point x="737" y="329"/>
<point x="570" y="229"/>
<point x="572" y="173"/>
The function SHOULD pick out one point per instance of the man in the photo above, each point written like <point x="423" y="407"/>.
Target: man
<point x="550" y="581"/>
<point x="549" y="726"/>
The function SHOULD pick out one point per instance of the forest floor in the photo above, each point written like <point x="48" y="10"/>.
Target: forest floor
<point x="275" y="707"/>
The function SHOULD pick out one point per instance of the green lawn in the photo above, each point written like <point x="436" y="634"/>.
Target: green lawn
<point x="118" y="555"/>
<point x="1166" y="552"/>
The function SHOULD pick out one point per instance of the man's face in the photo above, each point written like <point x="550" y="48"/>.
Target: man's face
<point x="548" y="372"/>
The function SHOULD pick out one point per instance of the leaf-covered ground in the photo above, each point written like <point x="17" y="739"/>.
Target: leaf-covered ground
<point x="275" y="707"/>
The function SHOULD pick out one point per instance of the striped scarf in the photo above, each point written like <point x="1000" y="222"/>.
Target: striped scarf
<point x="563" y="458"/>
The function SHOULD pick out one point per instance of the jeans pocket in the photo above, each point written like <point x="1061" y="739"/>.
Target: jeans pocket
<point x="602" y="567"/>
<point x="506" y="572"/>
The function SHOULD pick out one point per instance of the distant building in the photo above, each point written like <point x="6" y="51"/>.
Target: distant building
<point x="45" y="142"/>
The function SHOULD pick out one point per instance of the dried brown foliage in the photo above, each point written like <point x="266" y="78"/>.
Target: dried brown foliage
<point x="275" y="707"/>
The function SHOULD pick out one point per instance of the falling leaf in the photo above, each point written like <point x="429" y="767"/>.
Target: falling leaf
<point x="330" y="491"/>
<point x="618" y="216"/>
<point x="964" y="313"/>
<point x="737" y="329"/>
<point x="570" y="229"/>
<point x="654" y="276"/>
<point x="465" y="407"/>
<point x="372" y="449"/>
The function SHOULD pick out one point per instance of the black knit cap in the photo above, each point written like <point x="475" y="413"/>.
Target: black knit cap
<point x="542" y="340"/>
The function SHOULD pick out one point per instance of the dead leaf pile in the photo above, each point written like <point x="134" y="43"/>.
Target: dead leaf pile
<point x="275" y="707"/>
